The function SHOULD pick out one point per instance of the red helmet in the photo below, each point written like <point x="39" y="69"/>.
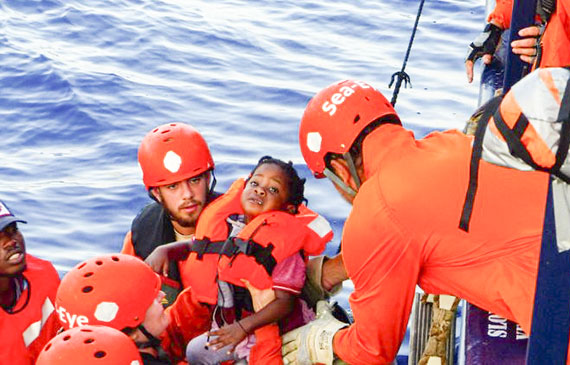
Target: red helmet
<point x="335" y="117"/>
<point x="173" y="152"/>
<point x="113" y="290"/>
<point x="89" y="345"/>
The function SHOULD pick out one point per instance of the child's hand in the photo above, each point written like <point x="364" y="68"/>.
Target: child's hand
<point x="227" y="335"/>
<point x="158" y="260"/>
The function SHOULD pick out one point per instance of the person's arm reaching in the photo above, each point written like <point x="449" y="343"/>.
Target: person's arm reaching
<point x="483" y="47"/>
<point x="159" y="259"/>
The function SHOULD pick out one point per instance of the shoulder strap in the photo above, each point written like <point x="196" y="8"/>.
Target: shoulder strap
<point x="518" y="149"/>
<point x="203" y="246"/>
<point x="476" y="153"/>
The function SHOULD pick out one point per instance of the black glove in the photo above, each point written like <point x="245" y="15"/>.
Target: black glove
<point x="485" y="43"/>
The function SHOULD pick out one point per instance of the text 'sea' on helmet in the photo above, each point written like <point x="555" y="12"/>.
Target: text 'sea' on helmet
<point x="334" y="118"/>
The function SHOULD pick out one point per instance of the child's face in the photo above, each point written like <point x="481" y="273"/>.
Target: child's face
<point x="266" y="190"/>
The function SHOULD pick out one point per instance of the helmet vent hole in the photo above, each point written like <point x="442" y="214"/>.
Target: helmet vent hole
<point x="66" y="338"/>
<point x="115" y="258"/>
<point x="165" y="131"/>
<point x="100" y="354"/>
<point x="87" y="289"/>
<point x="99" y="262"/>
<point x="356" y="119"/>
<point x="47" y="347"/>
<point x="168" y="140"/>
<point x="88" y="274"/>
<point x="86" y="330"/>
<point x="81" y="266"/>
<point x="367" y="98"/>
<point x="89" y="340"/>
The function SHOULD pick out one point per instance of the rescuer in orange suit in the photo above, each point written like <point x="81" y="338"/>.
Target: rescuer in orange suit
<point x="407" y="196"/>
<point x="550" y="49"/>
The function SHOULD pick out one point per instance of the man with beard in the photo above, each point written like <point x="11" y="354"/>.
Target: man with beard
<point x="27" y="319"/>
<point x="178" y="173"/>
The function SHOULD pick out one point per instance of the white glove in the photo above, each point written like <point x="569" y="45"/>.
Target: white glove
<point x="313" y="290"/>
<point x="312" y="343"/>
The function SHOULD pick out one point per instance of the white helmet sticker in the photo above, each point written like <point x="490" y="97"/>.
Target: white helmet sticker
<point x="172" y="161"/>
<point x="314" y="141"/>
<point x="106" y="311"/>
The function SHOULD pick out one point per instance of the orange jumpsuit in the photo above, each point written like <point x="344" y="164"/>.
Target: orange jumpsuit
<point x="188" y="318"/>
<point x="403" y="231"/>
<point x="556" y="38"/>
<point x="24" y="334"/>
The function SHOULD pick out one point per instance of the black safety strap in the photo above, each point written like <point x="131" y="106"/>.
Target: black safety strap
<point x="513" y="139"/>
<point x="203" y="246"/>
<point x="262" y="254"/>
<point x="518" y="149"/>
<point x="152" y="342"/>
<point x="476" y="153"/>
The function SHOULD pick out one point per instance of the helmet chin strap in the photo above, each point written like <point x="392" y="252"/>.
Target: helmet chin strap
<point x="213" y="182"/>
<point x="339" y="182"/>
<point x="350" y="161"/>
<point x="152" y="341"/>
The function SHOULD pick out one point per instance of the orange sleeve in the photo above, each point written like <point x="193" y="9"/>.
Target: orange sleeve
<point x="501" y="15"/>
<point x="384" y="268"/>
<point x="267" y="348"/>
<point x="188" y="319"/>
<point x="128" y="247"/>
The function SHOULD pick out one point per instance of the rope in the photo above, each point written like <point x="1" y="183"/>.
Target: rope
<point x="403" y="76"/>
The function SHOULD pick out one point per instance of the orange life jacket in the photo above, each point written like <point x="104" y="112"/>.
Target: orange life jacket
<point x="526" y="129"/>
<point x="267" y="240"/>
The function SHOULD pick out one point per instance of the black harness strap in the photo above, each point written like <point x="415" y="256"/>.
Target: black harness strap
<point x="564" y="144"/>
<point x="202" y="246"/>
<point x="476" y="153"/>
<point x="516" y="147"/>
<point x="261" y="254"/>
<point x="152" y="341"/>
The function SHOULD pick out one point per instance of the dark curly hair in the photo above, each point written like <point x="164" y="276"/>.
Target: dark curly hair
<point x="295" y="184"/>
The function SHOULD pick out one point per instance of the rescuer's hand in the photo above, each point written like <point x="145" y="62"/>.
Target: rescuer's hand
<point x="314" y="290"/>
<point x="313" y="342"/>
<point x="527" y="47"/>
<point x="483" y="46"/>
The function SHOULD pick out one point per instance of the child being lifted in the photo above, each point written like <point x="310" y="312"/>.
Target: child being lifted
<point x="260" y="232"/>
